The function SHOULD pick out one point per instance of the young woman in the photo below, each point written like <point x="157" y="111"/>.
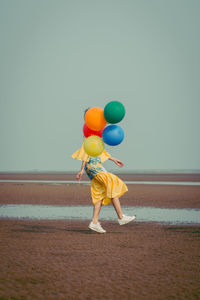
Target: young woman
<point x="105" y="187"/>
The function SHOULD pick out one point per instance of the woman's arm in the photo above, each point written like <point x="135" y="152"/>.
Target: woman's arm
<point x="80" y="173"/>
<point x="116" y="161"/>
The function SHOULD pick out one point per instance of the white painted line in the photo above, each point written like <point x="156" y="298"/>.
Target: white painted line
<point x="88" y="182"/>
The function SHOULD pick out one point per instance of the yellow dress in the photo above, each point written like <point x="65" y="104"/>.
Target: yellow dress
<point x="104" y="185"/>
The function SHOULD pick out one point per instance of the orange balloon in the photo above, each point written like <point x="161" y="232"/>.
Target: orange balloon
<point x="94" y="118"/>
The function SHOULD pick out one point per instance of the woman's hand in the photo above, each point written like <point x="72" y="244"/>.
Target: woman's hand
<point x="79" y="175"/>
<point x="119" y="163"/>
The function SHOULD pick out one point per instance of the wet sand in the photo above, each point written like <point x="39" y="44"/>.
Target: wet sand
<point x="170" y="196"/>
<point x="71" y="176"/>
<point x="65" y="260"/>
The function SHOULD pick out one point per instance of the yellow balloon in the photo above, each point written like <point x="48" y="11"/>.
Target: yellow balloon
<point x="94" y="145"/>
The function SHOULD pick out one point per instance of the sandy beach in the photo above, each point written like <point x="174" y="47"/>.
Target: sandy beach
<point x="178" y="196"/>
<point x="65" y="260"/>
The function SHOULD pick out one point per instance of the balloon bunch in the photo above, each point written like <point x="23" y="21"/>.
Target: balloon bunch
<point x="95" y="132"/>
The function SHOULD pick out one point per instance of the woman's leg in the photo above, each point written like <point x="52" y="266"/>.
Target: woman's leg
<point x="122" y="219"/>
<point x="117" y="206"/>
<point x="96" y="211"/>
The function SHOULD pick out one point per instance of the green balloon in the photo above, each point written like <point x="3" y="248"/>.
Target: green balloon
<point x="114" y="112"/>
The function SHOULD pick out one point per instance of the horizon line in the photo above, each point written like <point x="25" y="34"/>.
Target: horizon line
<point x="136" y="171"/>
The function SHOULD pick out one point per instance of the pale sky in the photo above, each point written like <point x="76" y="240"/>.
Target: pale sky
<point x="59" y="57"/>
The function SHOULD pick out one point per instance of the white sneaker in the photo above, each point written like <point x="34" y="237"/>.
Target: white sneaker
<point x="126" y="219"/>
<point x="96" y="227"/>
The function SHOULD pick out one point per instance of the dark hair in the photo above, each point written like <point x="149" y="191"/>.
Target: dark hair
<point x="86" y="111"/>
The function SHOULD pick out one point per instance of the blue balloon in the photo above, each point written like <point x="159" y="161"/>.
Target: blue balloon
<point x="113" y="135"/>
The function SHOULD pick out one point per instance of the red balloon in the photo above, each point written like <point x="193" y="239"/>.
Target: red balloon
<point x="88" y="132"/>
